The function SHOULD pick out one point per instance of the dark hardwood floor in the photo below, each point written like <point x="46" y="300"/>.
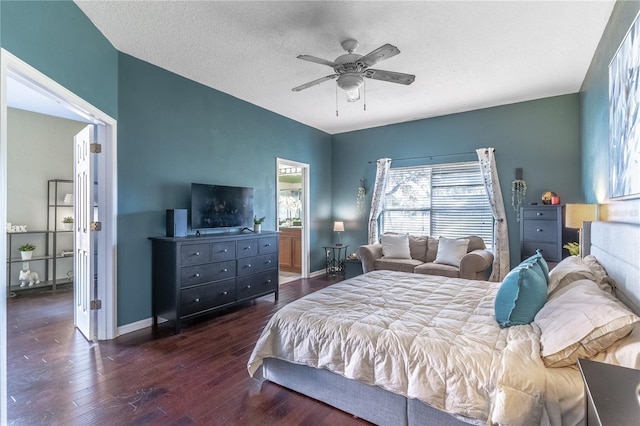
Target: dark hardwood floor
<point x="56" y="377"/>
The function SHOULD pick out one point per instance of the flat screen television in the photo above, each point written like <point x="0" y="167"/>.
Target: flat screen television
<point x="217" y="206"/>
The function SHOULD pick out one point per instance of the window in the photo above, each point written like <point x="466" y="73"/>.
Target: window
<point x="446" y="200"/>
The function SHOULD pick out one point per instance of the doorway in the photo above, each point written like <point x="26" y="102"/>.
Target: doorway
<point x="292" y="219"/>
<point x="105" y="319"/>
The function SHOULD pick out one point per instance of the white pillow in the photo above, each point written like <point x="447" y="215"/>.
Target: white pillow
<point x="451" y="252"/>
<point x="579" y="321"/>
<point x="625" y="352"/>
<point x="570" y="269"/>
<point x="395" y="246"/>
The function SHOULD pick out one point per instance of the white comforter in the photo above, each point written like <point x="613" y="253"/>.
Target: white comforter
<point x="425" y="337"/>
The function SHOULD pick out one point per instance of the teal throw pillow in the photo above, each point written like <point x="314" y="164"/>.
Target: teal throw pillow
<point x="521" y="295"/>
<point x="539" y="259"/>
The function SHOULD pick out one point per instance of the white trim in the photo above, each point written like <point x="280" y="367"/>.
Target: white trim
<point x="12" y="66"/>
<point x="138" y="325"/>
<point x="3" y="241"/>
<point x="306" y="217"/>
<point x="317" y="273"/>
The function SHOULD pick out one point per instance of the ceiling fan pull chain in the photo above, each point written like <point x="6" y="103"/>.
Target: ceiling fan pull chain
<point x="364" y="93"/>
<point x="336" y="99"/>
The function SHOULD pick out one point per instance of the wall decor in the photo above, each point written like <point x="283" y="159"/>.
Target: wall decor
<point x="624" y="117"/>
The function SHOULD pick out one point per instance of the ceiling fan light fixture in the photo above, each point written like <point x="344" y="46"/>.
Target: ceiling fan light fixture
<point x="352" y="95"/>
<point x="351" y="84"/>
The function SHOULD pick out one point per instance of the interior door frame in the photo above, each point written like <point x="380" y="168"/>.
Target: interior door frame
<point x="11" y="65"/>
<point x="305" y="209"/>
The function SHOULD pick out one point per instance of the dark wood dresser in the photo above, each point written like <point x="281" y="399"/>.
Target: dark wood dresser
<point x="541" y="229"/>
<point x="194" y="276"/>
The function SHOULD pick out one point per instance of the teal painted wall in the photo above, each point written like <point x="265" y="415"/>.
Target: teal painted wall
<point x="594" y="105"/>
<point x="57" y="39"/>
<point x="542" y="137"/>
<point x="173" y="131"/>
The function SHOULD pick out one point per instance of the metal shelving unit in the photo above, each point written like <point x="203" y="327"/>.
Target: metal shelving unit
<point x="51" y="255"/>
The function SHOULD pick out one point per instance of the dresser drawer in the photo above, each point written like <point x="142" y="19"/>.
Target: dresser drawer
<point x="201" y="298"/>
<point x="548" y="250"/>
<point x="225" y="250"/>
<point x="540" y="213"/>
<point x="194" y="254"/>
<point x="541" y="230"/>
<point x="247" y="248"/>
<point x="198" y="274"/>
<point x="267" y="245"/>
<point x="257" y="284"/>
<point x="257" y="264"/>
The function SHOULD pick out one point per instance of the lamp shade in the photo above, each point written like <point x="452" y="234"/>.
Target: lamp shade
<point x="338" y="226"/>
<point x="576" y="214"/>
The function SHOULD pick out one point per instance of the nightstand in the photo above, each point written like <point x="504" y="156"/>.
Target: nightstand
<point x="541" y="229"/>
<point x="611" y="394"/>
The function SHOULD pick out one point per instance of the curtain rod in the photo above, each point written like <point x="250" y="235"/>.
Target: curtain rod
<point x="430" y="156"/>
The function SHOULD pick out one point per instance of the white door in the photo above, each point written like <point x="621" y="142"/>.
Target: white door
<point x="83" y="244"/>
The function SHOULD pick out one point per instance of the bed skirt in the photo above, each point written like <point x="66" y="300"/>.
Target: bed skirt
<point x="370" y="403"/>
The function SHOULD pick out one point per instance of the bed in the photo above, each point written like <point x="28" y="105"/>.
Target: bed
<point x="396" y="348"/>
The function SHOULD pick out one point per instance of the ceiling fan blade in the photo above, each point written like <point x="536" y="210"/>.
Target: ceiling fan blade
<point x="383" y="52"/>
<point x="314" y="82"/>
<point x="390" y="76"/>
<point x="317" y="60"/>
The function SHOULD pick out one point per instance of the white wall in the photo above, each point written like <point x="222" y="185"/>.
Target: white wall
<point x="40" y="147"/>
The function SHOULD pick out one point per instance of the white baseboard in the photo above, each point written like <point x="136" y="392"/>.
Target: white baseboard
<point x="138" y="325"/>
<point x="317" y="273"/>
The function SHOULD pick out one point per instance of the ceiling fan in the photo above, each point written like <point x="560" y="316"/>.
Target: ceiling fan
<point x="351" y="69"/>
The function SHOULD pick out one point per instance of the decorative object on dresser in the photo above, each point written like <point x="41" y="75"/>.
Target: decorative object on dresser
<point x="338" y="227"/>
<point x="194" y="276"/>
<point x="257" y="224"/>
<point x="176" y="222"/>
<point x="576" y="214"/>
<point x="611" y="393"/>
<point x="547" y="198"/>
<point x="541" y="229"/>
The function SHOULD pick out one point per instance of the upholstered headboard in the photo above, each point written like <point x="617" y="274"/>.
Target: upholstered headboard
<point x="617" y="248"/>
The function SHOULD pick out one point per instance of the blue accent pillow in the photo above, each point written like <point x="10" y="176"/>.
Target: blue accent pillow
<point x="540" y="260"/>
<point x="521" y="295"/>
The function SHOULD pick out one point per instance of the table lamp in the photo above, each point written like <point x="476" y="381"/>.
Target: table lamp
<point x="338" y="227"/>
<point x="576" y="214"/>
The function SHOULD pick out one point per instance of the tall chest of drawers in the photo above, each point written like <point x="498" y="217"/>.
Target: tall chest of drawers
<point x="541" y="229"/>
<point x="195" y="276"/>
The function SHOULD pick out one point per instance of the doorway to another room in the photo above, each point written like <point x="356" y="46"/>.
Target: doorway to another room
<point x="292" y="219"/>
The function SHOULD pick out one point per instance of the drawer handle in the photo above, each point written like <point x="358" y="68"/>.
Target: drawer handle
<point x="268" y="281"/>
<point x="224" y="293"/>
<point x="539" y="230"/>
<point x="248" y="265"/>
<point x="225" y="270"/>
<point x="248" y="287"/>
<point x="539" y="214"/>
<point x="197" y="299"/>
<point x="196" y="275"/>
<point x="225" y="250"/>
<point x="268" y="245"/>
<point x="268" y="261"/>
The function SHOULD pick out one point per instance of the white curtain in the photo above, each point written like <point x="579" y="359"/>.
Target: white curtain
<point x="501" y="234"/>
<point x="377" y="199"/>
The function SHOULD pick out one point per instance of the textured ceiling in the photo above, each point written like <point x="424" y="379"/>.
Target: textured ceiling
<point x="465" y="55"/>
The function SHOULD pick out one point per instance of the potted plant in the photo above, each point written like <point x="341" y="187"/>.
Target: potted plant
<point x="257" y="224"/>
<point x="67" y="223"/>
<point x="26" y="251"/>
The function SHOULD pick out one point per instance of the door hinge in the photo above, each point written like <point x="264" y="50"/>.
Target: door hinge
<point x="95" y="305"/>
<point x="96" y="226"/>
<point x="95" y="148"/>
